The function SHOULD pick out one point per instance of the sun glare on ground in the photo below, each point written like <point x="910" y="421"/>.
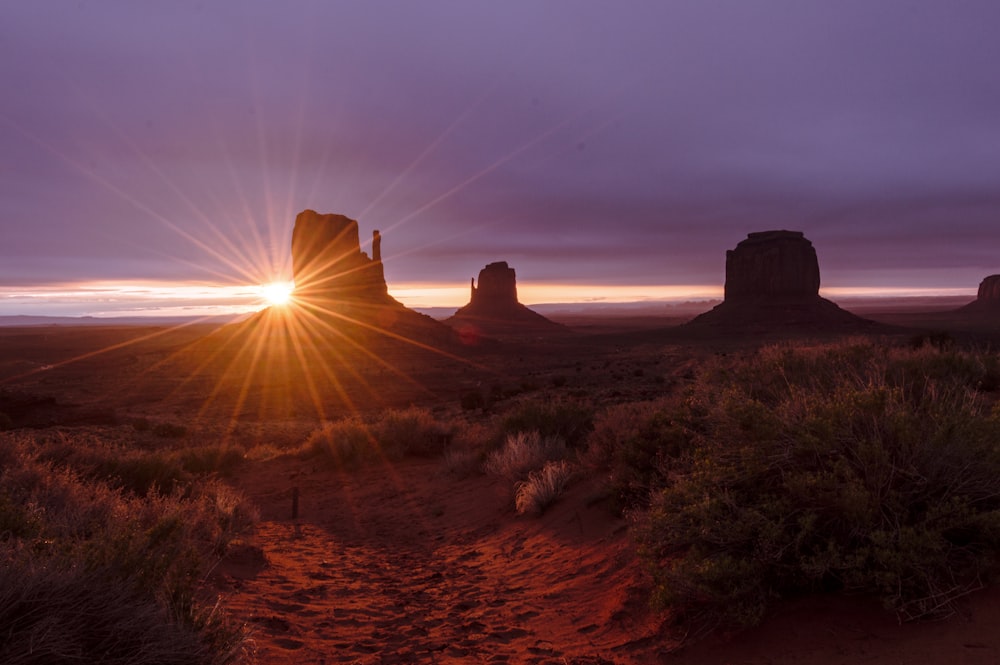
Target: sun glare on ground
<point x="277" y="293"/>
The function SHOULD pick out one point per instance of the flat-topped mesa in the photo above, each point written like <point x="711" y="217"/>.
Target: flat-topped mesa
<point x="772" y="283"/>
<point x="772" y="264"/>
<point x="328" y="264"/>
<point x="986" y="306"/>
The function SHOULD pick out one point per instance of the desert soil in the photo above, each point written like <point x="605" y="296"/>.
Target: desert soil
<point x="401" y="563"/>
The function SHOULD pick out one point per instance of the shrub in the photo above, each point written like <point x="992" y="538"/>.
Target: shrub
<point x="392" y="435"/>
<point x="471" y="400"/>
<point x="220" y="458"/>
<point x="57" y="612"/>
<point x="566" y="419"/>
<point x="853" y="466"/>
<point x="92" y="572"/>
<point x="639" y="442"/>
<point x="462" y="462"/>
<point x="523" y="453"/>
<point x="263" y="452"/>
<point x="412" y="431"/>
<point x="169" y="430"/>
<point x="344" y="442"/>
<point x="542" y="487"/>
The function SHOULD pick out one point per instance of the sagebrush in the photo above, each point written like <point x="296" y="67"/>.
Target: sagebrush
<point x="856" y="466"/>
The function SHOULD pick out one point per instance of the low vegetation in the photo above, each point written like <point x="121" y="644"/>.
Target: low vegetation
<point x="543" y="486"/>
<point x="522" y="453"/>
<point x="102" y="549"/>
<point x="854" y="466"/>
<point x="390" y="435"/>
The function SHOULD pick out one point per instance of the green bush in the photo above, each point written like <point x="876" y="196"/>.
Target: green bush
<point x="854" y="466"/>
<point x="639" y="442"/>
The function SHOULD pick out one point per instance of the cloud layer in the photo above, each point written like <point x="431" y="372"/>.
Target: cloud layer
<point x="583" y="142"/>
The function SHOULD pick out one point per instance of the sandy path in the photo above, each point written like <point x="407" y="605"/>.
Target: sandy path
<point x="401" y="565"/>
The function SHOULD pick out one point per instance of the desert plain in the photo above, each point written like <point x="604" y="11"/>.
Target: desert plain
<point x="420" y="555"/>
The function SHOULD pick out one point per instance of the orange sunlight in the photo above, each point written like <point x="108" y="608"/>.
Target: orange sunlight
<point x="277" y="293"/>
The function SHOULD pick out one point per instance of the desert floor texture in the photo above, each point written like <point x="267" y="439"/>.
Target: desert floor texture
<point x="404" y="562"/>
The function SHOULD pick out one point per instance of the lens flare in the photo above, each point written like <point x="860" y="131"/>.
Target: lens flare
<point x="277" y="293"/>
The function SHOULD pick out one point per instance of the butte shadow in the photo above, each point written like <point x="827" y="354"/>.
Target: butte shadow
<point x="772" y="286"/>
<point x="494" y="311"/>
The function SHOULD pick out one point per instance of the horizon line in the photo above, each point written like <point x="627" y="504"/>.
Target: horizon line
<point x="131" y="298"/>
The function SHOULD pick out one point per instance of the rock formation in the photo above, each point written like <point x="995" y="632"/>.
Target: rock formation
<point x="772" y="281"/>
<point x="328" y="264"/>
<point x="989" y="292"/>
<point x="986" y="306"/>
<point x="494" y="310"/>
<point x="343" y="291"/>
<point x="772" y="264"/>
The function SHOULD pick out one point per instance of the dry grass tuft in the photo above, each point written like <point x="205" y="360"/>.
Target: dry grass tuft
<point x="522" y="453"/>
<point x="542" y="487"/>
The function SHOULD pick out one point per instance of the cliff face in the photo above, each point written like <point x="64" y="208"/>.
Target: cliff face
<point x="328" y="263"/>
<point x="985" y="309"/>
<point x="497" y="291"/>
<point x="989" y="292"/>
<point x="772" y="264"/>
<point x="772" y="282"/>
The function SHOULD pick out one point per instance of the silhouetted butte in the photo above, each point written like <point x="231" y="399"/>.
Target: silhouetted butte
<point x="772" y="281"/>
<point x="494" y="310"/>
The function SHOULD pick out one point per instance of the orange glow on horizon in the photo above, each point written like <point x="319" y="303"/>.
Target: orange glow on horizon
<point x="121" y="298"/>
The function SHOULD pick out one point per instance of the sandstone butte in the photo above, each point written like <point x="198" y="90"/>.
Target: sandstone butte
<point x="343" y="290"/>
<point x="494" y="310"/>
<point x="987" y="302"/>
<point x="772" y="280"/>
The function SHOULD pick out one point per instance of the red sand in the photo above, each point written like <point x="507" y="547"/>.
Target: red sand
<point x="402" y="564"/>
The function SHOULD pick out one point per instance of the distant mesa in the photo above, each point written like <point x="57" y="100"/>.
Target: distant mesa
<point x="772" y="265"/>
<point x="772" y="280"/>
<point x="987" y="302"/>
<point x="988" y="298"/>
<point x="494" y="310"/>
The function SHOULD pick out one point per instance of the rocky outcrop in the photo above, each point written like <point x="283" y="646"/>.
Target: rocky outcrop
<point x="341" y="293"/>
<point x="494" y="310"/>
<point x="497" y="289"/>
<point x="772" y="264"/>
<point x="328" y="264"/>
<point x="772" y="283"/>
<point x="986" y="307"/>
<point x="989" y="292"/>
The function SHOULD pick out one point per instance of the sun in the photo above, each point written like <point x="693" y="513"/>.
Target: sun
<point x="277" y="293"/>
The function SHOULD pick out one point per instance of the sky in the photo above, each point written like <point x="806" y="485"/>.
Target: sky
<point x="153" y="155"/>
